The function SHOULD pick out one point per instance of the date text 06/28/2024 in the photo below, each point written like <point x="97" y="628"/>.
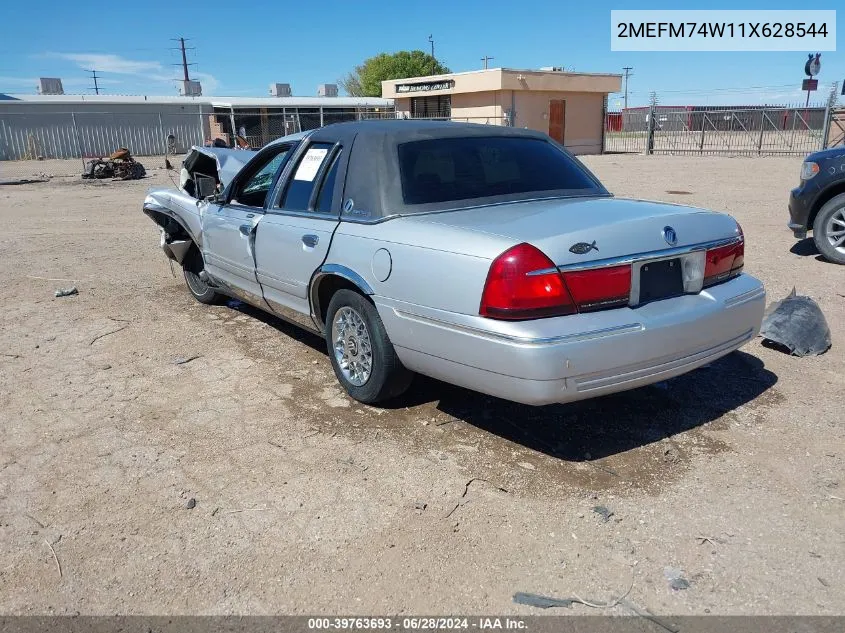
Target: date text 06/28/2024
<point x="728" y="30"/>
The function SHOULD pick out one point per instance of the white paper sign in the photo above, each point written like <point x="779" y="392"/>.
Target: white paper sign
<point x="310" y="164"/>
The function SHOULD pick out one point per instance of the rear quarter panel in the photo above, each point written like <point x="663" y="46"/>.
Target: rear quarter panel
<point x="431" y="266"/>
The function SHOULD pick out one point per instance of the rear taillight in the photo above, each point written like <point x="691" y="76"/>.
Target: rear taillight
<point x="525" y="284"/>
<point x="724" y="262"/>
<point x="599" y="288"/>
<point x="515" y="290"/>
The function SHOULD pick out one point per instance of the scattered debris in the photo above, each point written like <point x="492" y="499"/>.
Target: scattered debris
<point x="678" y="192"/>
<point x="796" y="324"/>
<point x="676" y="579"/>
<point x="55" y="557"/>
<point x="462" y="500"/>
<point x="22" y="181"/>
<point x="99" y="336"/>
<point x="67" y="292"/>
<point x="547" y="602"/>
<point x="707" y="539"/>
<point x="192" y="503"/>
<point x="185" y="361"/>
<point x="823" y="581"/>
<point x="350" y="462"/>
<point x="541" y="602"/>
<point x="420" y="505"/>
<point x="603" y="512"/>
<point x="527" y="466"/>
<point x="119" y="166"/>
<point x="10" y="355"/>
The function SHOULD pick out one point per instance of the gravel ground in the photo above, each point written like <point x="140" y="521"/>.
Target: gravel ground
<point x="308" y="502"/>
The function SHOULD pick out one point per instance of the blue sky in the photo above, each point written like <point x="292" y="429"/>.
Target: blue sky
<point x="240" y="47"/>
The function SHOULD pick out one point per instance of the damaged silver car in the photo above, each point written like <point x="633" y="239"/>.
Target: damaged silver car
<point x="484" y="256"/>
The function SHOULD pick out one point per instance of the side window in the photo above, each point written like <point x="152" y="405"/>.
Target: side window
<point x="326" y="195"/>
<point x="304" y="179"/>
<point x="253" y="192"/>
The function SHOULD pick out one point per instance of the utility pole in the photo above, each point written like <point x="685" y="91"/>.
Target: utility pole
<point x="627" y="70"/>
<point x="486" y="59"/>
<point x="431" y="41"/>
<point x="94" y="77"/>
<point x="184" y="64"/>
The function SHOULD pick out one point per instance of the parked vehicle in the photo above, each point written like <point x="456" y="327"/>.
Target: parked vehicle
<point x="818" y="203"/>
<point x="484" y="256"/>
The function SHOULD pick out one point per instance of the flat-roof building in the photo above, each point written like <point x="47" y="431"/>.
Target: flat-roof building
<point x="74" y="126"/>
<point x="567" y="106"/>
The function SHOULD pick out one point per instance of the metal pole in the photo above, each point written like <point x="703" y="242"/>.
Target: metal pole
<point x="322" y="122"/>
<point x="762" y="127"/>
<point x="649" y="143"/>
<point x="234" y="128"/>
<point x="627" y="70"/>
<point x="161" y="132"/>
<point x="828" y="115"/>
<point x="78" y="142"/>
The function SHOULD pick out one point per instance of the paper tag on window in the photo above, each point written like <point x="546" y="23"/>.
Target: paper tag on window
<point x="310" y="164"/>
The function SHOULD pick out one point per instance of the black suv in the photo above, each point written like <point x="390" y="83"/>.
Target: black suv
<point x="818" y="203"/>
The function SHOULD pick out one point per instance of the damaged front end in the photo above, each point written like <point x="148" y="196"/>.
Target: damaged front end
<point x="176" y="236"/>
<point x="205" y="172"/>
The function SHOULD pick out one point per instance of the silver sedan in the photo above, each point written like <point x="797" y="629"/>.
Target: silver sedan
<point x="484" y="256"/>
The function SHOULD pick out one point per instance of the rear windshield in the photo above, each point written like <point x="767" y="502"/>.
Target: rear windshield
<point x="446" y="169"/>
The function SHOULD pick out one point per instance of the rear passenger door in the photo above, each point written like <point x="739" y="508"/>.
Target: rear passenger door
<point x="293" y="238"/>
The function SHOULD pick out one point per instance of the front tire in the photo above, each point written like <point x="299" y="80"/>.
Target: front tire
<point x="829" y="229"/>
<point x="192" y="266"/>
<point x="362" y="355"/>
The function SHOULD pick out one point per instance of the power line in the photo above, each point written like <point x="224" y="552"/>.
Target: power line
<point x="96" y="87"/>
<point x="628" y="73"/>
<point x="486" y="59"/>
<point x="184" y="64"/>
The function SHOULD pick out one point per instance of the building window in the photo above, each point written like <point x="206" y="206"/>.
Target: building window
<point x="439" y="107"/>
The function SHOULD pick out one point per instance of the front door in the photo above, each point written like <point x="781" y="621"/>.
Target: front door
<point x="228" y="230"/>
<point x="557" y="119"/>
<point x="293" y="239"/>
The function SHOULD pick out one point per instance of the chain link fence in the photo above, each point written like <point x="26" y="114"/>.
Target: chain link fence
<point x="749" y="131"/>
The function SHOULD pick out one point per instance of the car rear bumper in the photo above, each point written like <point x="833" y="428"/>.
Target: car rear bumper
<point x="580" y="356"/>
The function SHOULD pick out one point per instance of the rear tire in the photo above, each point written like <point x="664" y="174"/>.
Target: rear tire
<point x="361" y="353"/>
<point x="192" y="266"/>
<point x="829" y="229"/>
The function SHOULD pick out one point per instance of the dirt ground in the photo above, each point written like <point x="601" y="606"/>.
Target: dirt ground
<point x="308" y="502"/>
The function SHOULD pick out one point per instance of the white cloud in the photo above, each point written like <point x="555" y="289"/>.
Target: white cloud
<point x="151" y="71"/>
<point x="108" y="63"/>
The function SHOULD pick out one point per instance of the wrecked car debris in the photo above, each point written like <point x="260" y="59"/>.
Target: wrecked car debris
<point x="541" y="602"/>
<point x="796" y="324"/>
<point x="675" y="578"/>
<point x="118" y="166"/>
<point x="67" y="292"/>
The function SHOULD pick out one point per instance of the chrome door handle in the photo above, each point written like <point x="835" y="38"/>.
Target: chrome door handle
<point x="310" y="240"/>
<point x="246" y="229"/>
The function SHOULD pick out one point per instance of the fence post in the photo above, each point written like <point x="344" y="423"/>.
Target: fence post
<point x="649" y="142"/>
<point x="234" y="129"/>
<point x="78" y="142"/>
<point x="322" y="122"/>
<point x="760" y="138"/>
<point x="828" y="115"/>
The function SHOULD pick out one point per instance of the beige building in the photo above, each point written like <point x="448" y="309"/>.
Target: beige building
<point x="569" y="107"/>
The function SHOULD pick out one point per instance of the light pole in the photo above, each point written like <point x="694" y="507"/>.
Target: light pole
<point x="431" y="41"/>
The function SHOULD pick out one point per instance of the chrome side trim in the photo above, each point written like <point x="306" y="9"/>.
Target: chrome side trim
<point x="324" y="271"/>
<point x="638" y="257"/>
<point x="745" y="297"/>
<point x="292" y="316"/>
<point x="522" y="340"/>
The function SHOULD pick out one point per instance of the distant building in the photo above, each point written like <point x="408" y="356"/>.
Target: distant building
<point x="74" y="126"/>
<point x="568" y="106"/>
